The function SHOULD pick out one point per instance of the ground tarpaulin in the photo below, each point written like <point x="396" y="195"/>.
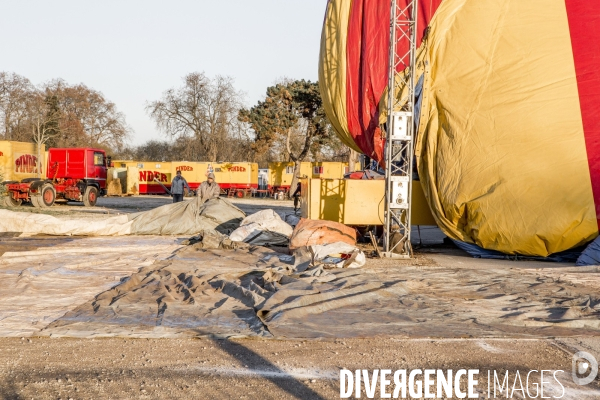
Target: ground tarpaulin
<point x="40" y="285"/>
<point x="257" y="292"/>
<point x="183" y="218"/>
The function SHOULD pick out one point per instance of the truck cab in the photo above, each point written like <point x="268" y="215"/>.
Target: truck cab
<point x="85" y="164"/>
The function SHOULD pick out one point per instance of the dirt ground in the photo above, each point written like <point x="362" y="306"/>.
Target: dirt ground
<point x="38" y="367"/>
<point x="249" y="369"/>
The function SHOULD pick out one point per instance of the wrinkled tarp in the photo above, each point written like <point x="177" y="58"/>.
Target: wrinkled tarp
<point x="567" y="256"/>
<point x="339" y="254"/>
<point x="591" y="254"/>
<point x="211" y="239"/>
<point x="39" y="286"/>
<point x="264" y="228"/>
<point x="258" y="292"/>
<point x="183" y="218"/>
<point x="310" y="232"/>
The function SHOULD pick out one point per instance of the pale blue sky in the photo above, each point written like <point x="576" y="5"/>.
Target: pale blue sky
<point x="134" y="50"/>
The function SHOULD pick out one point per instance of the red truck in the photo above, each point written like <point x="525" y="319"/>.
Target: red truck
<point x="72" y="174"/>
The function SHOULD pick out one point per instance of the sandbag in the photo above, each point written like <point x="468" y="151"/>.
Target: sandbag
<point x="310" y="232"/>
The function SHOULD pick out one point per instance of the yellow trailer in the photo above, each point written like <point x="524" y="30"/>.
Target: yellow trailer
<point x="282" y="173"/>
<point x="329" y="170"/>
<point x="238" y="177"/>
<point x="152" y="175"/>
<point x="193" y="172"/>
<point x="230" y="176"/>
<point x="21" y="160"/>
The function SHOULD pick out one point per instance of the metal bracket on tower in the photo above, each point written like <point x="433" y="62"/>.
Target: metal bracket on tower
<point x="400" y="130"/>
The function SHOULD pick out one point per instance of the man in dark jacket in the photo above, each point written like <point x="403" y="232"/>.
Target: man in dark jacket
<point x="177" y="186"/>
<point x="296" y="197"/>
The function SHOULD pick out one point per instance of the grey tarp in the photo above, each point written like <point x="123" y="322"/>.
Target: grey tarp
<point x="184" y="218"/>
<point x="188" y="218"/>
<point x="253" y="291"/>
<point x="264" y="228"/>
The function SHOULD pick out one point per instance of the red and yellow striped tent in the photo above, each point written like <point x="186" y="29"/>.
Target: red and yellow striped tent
<point x="508" y="141"/>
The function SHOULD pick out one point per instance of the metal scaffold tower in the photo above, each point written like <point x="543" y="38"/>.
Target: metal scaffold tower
<point x="400" y="130"/>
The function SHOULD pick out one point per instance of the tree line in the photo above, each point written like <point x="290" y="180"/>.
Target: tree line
<point x="204" y="119"/>
<point x="59" y="114"/>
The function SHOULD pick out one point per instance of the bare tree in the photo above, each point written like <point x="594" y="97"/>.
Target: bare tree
<point x="44" y="118"/>
<point x="15" y="91"/>
<point x="203" y="109"/>
<point x="87" y="117"/>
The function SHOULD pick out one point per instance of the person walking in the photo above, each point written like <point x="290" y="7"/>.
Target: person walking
<point x="296" y="197"/>
<point x="177" y="187"/>
<point x="209" y="189"/>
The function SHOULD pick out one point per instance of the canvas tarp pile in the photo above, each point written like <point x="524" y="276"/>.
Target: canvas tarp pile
<point x="508" y="135"/>
<point x="263" y="228"/>
<point x="183" y="218"/>
<point x="254" y="291"/>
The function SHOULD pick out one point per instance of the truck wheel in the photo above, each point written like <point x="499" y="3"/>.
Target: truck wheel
<point x="9" y="201"/>
<point x="48" y="195"/>
<point x="90" y="197"/>
<point x="240" y="194"/>
<point x="36" y="201"/>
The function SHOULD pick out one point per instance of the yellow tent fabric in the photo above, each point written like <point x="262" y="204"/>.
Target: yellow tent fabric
<point x="332" y="68"/>
<point x="501" y="150"/>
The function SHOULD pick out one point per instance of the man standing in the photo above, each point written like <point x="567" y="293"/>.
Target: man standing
<point x="177" y="186"/>
<point x="209" y="189"/>
<point x="296" y="197"/>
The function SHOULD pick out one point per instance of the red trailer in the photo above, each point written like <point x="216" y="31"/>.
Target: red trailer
<point x="72" y="174"/>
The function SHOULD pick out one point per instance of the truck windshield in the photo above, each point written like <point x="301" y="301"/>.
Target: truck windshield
<point x="99" y="159"/>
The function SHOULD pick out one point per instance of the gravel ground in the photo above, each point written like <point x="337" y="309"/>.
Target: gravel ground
<point x="249" y="369"/>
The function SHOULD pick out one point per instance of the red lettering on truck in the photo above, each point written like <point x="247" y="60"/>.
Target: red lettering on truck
<point x="184" y="168"/>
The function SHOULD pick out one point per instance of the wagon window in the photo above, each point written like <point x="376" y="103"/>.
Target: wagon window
<point x="99" y="159"/>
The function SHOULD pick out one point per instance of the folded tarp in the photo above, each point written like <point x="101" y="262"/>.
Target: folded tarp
<point x="591" y="254"/>
<point x="263" y="228"/>
<point x="183" y="218"/>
